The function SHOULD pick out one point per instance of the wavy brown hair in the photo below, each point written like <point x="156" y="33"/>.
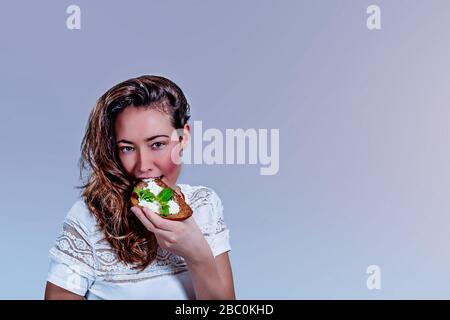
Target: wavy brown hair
<point x="107" y="187"/>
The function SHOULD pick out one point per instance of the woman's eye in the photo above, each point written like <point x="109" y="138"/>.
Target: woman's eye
<point x="125" y="149"/>
<point x="158" y="145"/>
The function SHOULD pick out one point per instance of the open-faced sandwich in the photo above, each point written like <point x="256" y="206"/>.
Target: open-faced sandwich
<point x="157" y="196"/>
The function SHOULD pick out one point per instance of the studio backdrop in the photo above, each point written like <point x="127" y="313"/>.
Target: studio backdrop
<point x="340" y="187"/>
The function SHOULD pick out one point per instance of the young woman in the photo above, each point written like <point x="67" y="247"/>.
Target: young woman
<point x="110" y="250"/>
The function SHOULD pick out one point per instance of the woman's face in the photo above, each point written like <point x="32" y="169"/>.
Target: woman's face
<point x="147" y="144"/>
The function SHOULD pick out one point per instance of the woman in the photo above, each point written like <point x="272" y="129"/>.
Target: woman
<point x="106" y="249"/>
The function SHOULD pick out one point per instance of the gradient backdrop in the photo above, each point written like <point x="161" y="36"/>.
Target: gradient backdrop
<point x="363" y="116"/>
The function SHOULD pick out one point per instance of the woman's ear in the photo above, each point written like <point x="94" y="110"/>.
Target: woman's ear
<point x="186" y="137"/>
<point x="183" y="136"/>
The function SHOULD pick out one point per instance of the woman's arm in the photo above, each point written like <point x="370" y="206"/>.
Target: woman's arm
<point x="212" y="277"/>
<point x="53" y="292"/>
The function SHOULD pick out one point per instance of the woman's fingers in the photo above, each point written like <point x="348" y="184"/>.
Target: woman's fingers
<point x="157" y="221"/>
<point x="167" y="237"/>
<point x="143" y="218"/>
<point x="152" y="221"/>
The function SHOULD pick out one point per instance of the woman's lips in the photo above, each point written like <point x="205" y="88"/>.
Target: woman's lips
<point x="148" y="177"/>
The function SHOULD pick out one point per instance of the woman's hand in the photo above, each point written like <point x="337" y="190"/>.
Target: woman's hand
<point x="183" y="238"/>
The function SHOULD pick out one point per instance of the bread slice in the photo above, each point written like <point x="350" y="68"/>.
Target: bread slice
<point x="150" y="189"/>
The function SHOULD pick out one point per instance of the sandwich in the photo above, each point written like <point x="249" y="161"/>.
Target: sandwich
<point x="154" y="194"/>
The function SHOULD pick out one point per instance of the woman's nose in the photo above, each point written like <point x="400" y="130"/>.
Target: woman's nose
<point x="145" y="161"/>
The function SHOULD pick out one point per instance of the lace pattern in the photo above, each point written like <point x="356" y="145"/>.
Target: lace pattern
<point x="74" y="250"/>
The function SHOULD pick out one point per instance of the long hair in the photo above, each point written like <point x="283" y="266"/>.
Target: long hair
<point x="108" y="188"/>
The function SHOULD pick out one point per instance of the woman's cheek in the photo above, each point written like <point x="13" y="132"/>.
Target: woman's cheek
<point x="127" y="163"/>
<point x="175" y="156"/>
<point x="169" y="165"/>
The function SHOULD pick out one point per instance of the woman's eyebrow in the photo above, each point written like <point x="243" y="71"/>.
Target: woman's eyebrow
<point x="146" y="140"/>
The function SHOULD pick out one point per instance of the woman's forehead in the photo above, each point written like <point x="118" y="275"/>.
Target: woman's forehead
<point x="136" y="124"/>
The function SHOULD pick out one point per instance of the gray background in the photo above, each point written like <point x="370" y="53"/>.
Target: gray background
<point x="363" y="117"/>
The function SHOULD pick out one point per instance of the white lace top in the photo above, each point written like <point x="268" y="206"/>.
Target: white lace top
<point x="83" y="262"/>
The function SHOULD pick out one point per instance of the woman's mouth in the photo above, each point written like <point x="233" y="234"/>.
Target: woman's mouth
<point x="149" y="177"/>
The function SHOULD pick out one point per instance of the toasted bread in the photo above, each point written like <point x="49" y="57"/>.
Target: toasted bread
<point x="178" y="209"/>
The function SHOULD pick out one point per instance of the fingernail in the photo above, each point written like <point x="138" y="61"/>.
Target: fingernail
<point x="133" y="210"/>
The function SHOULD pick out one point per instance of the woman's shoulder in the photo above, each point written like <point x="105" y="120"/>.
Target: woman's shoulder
<point x="206" y="204"/>
<point x="200" y="193"/>
<point x="80" y="215"/>
<point x="197" y="188"/>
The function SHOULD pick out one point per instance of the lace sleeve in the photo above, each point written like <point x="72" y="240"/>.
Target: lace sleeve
<point x="72" y="263"/>
<point x="219" y="239"/>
